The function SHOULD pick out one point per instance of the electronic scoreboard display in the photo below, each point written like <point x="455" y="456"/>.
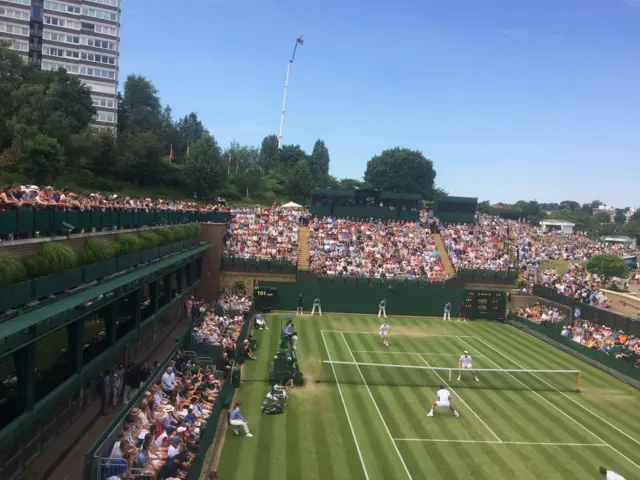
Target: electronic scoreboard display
<point x="485" y="304"/>
<point x="264" y="297"/>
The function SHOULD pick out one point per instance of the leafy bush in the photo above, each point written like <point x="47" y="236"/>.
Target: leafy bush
<point x="240" y="285"/>
<point x="150" y="239"/>
<point x="98" y="250"/>
<point x="128" y="243"/>
<point x="166" y="234"/>
<point x="192" y="230"/>
<point x="179" y="233"/>
<point x="11" y="269"/>
<point x="55" y="257"/>
<point x="521" y="282"/>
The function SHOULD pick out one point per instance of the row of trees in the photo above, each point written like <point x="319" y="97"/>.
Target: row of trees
<point x="45" y="138"/>
<point x="586" y="216"/>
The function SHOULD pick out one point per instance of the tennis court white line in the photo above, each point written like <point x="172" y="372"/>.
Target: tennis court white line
<point x="571" y="399"/>
<point x="385" y="352"/>
<point x="550" y="403"/>
<point x="353" y="433"/>
<point x="493" y="442"/>
<point x="462" y="401"/>
<point x="378" y="409"/>
<point x="397" y="334"/>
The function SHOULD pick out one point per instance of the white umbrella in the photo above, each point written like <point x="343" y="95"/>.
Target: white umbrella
<point x="291" y="205"/>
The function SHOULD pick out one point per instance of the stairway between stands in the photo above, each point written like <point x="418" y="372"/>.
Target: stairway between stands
<point x="303" y="249"/>
<point x="444" y="256"/>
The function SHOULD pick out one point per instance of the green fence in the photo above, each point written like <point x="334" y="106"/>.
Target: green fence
<point x="552" y="331"/>
<point x="51" y="220"/>
<point x="19" y="294"/>
<point x="252" y="265"/>
<point x="351" y="295"/>
<point x="505" y="277"/>
<point x="590" y="312"/>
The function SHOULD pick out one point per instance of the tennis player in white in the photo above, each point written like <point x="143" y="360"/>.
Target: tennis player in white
<point x="384" y="333"/>
<point x="444" y="400"/>
<point x="466" y="364"/>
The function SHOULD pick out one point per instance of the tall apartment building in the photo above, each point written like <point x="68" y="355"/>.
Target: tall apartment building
<point x="81" y="36"/>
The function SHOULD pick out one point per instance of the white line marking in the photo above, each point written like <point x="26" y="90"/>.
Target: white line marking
<point x="569" y="398"/>
<point x="552" y="404"/>
<point x="463" y="402"/>
<point x="493" y="442"/>
<point x="413" y="353"/>
<point x="397" y="334"/>
<point x="353" y="433"/>
<point x="376" y="405"/>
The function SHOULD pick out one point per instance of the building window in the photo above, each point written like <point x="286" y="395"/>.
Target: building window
<point x="36" y="13"/>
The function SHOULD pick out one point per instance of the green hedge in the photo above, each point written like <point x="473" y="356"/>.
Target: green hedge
<point x="58" y="268"/>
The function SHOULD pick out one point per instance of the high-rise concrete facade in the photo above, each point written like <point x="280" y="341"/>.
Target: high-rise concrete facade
<point x="81" y="36"/>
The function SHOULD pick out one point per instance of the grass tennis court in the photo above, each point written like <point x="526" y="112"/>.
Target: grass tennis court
<point x="374" y="426"/>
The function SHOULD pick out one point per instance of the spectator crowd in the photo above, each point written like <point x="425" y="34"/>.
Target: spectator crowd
<point x="160" y="437"/>
<point x="373" y="249"/>
<point x="542" y="314"/>
<point x="264" y="233"/>
<point x="604" y="339"/>
<point x="223" y="328"/>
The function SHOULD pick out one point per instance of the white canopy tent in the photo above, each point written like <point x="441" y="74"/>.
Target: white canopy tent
<point x="291" y="205"/>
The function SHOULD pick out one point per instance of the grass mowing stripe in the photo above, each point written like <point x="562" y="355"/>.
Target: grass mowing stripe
<point x="564" y="413"/>
<point x="344" y="405"/>
<point x="378" y="410"/>
<point x="463" y="402"/>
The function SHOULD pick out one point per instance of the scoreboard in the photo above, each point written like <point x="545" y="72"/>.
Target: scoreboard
<point x="485" y="304"/>
<point x="264" y="298"/>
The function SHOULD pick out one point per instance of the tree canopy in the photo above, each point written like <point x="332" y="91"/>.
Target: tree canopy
<point x="607" y="265"/>
<point x="401" y="170"/>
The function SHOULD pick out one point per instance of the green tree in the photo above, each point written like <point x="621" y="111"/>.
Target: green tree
<point x="246" y="173"/>
<point x="603" y="217"/>
<point x="619" y="218"/>
<point x="141" y="158"/>
<point x="300" y="180"/>
<point x="632" y="228"/>
<point x="139" y="109"/>
<point x="401" y="170"/>
<point x="636" y="215"/>
<point x="319" y="161"/>
<point x="204" y="172"/>
<point x="268" y="152"/>
<point x="41" y="159"/>
<point x="191" y="128"/>
<point x="289" y="156"/>
<point x="485" y="207"/>
<point x="13" y="73"/>
<point x="569" y="205"/>
<point x="350" y="184"/>
<point x="607" y="265"/>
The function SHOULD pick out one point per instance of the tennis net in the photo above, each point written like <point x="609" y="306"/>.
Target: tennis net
<point x="380" y="374"/>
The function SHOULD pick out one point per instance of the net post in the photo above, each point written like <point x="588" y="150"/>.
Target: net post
<point x="450" y="375"/>
<point x="318" y="373"/>
<point x="578" y="381"/>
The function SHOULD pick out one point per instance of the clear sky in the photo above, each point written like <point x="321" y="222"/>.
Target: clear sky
<point x="511" y="99"/>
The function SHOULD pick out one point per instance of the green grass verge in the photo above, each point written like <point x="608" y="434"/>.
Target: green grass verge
<point x="501" y="434"/>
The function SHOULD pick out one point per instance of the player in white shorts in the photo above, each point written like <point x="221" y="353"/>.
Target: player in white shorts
<point x="384" y="334"/>
<point x="466" y="364"/>
<point x="444" y="400"/>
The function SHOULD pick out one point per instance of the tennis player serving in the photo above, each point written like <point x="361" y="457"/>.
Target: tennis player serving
<point x="443" y="400"/>
<point x="466" y="364"/>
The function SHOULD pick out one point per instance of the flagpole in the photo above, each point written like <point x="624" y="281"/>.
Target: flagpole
<point x="286" y="87"/>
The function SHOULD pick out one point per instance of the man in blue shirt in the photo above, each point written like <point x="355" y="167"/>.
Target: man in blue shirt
<point x="288" y="330"/>
<point x="300" y="304"/>
<point x="447" y="311"/>
<point x="382" y="308"/>
<point x="237" y="421"/>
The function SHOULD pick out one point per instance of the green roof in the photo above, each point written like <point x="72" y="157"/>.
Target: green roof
<point x="23" y="322"/>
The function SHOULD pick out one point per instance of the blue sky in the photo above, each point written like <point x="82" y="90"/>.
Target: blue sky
<point x="511" y="99"/>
